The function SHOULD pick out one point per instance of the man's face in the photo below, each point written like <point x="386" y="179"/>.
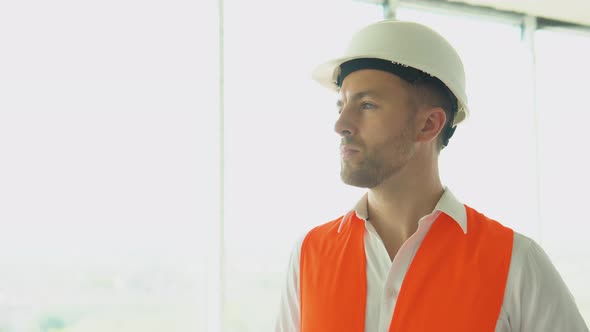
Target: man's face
<point x="376" y="123"/>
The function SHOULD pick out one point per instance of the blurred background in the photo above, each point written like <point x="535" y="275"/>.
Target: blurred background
<point x="159" y="159"/>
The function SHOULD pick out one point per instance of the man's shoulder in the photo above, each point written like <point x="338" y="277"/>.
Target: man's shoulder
<point x="474" y="215"/>
<point x="525" y="250"/>
<point x="523" y="242"/>
<point x="330" y="227"/>
<point x="522" y="247"/>
<point x="535" y="288"/>
<point x="318" y="231"/>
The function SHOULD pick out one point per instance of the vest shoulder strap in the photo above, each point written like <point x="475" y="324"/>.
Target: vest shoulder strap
<point x="333" y="256"/>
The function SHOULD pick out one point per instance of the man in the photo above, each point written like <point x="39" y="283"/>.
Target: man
<point x="410" y="256"/>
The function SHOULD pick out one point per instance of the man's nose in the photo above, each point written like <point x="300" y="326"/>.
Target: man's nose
<point x="345" y="125"/>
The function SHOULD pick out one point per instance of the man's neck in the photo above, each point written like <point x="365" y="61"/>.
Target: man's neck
<point x="395" y="207"/>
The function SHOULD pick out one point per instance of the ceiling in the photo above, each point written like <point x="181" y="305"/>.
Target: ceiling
<point x="571" y="11"/>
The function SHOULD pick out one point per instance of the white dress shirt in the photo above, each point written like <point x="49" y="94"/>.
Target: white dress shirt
<point x="535" y="298"/>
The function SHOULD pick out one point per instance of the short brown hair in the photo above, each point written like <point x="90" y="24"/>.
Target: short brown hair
<point x="433" y="92"/>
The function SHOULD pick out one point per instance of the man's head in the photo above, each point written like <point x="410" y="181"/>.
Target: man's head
<point x="427" y="90"/>
<point x="386" y="123"/>
<point x="401" y="93"/>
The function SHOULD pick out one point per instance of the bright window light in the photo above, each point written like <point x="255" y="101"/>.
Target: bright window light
<point x="562" y="99"/>
<point x="281" y="162"/>
<point x="108" y="185"/>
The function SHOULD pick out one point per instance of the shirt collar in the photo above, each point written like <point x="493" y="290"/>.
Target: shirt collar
<point x="448" y="204"/>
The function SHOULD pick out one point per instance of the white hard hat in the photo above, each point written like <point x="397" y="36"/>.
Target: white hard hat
<point x="409" y="44"/>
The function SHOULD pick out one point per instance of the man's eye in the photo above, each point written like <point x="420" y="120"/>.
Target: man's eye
<point x="367" y="106"/>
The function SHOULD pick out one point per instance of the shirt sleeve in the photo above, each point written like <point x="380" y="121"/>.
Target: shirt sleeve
<point x="289" y="317"/>
<point x="539" y="300"/>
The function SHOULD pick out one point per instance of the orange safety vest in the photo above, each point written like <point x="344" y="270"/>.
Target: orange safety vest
<point x="455" y="283"/>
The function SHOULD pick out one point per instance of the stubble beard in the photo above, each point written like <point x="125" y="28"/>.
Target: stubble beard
<point x="375" y="166"/>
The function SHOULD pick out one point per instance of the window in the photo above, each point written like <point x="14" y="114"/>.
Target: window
<point x="562" y="69"/>
<point x="108" y="165"/>
<point x="281" y="151"/>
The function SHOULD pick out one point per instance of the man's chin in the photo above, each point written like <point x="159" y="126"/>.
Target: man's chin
<point x="357" y="180"/>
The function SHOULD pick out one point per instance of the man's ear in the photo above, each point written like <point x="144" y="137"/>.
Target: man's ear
<point x="433" y="121"/>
